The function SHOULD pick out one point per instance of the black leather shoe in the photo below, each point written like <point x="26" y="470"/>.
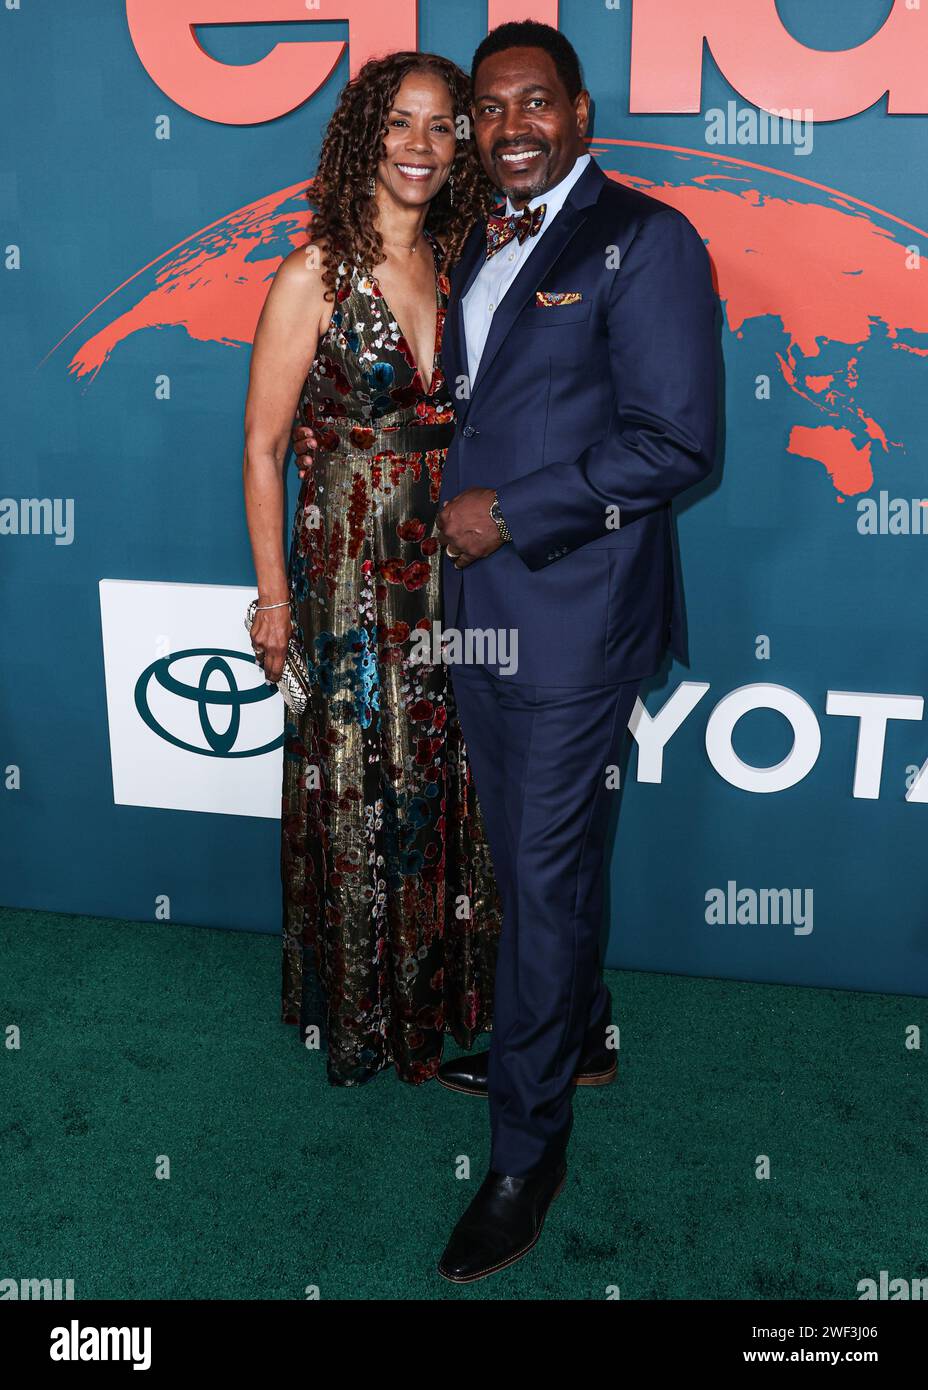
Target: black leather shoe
<point x="598" y="1066"/>
<point x="502" y="1223"/>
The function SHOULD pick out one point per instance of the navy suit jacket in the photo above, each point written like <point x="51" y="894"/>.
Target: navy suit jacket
<point x="576" y="410"/>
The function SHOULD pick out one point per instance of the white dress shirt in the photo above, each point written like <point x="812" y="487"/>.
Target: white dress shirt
<point x="497" y="274"/>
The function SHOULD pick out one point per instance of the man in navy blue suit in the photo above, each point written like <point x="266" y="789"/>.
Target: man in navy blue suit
<point x="581" y="339"/>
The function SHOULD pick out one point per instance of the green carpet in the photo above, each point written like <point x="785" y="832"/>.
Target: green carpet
<point x="146" y="1040"/>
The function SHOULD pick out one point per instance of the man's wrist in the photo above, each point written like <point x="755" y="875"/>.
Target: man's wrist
<point x="504" y="532"/>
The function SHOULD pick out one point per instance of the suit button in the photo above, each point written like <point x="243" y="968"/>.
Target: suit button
<point x="468" y="431"/>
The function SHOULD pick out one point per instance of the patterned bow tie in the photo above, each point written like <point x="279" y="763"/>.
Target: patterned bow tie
<point x="502" y="230"/>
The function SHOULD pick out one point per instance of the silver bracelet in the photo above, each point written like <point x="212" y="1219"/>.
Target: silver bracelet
<point x="264" y="609"/>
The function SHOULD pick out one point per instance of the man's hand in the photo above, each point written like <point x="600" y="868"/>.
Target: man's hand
<point x="304" y="442"/>
<point x="466" y="529"/>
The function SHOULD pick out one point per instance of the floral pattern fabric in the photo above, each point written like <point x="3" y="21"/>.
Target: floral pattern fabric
<point x="390" y="912"/>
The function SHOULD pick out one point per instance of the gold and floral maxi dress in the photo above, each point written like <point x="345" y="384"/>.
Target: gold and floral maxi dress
<point x="390" y="912"/>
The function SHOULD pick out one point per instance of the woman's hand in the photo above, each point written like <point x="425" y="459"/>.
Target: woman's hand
<point x="270" y="634"/>
<point x="304" y="443"/>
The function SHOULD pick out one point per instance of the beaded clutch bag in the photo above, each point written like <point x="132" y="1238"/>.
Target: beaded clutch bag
<point x="294" y="680"/>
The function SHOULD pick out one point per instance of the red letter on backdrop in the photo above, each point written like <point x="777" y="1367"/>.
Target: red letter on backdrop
<point x="763" y="62"/>
<point x="165" y="38"/>
<point x="505" y="11"/>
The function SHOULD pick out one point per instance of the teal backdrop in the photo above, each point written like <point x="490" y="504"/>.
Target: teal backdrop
<point x="804" y="560"/>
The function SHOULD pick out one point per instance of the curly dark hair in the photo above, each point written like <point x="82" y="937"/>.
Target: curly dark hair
<point x="344" y="222"/>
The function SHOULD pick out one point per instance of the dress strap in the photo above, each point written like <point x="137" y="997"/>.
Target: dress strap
<point x="344" y="270"/>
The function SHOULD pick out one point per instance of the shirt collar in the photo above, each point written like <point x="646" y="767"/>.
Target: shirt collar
<point x="555" y="198"/>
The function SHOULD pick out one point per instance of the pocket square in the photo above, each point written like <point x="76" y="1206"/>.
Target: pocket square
<point x="553" y="299"/>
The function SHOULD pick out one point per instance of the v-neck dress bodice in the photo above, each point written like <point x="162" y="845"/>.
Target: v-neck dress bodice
<point x="365" y="372"/>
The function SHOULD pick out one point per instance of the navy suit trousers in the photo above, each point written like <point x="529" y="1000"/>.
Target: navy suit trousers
<point x="539" y="756"/>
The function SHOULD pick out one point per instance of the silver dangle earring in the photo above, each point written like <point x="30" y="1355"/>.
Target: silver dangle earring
<point x="371" y="186"/>
<point x="451" y="191"/>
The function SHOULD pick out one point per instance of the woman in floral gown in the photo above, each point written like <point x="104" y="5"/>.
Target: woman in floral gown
<point x="390" y="913"/>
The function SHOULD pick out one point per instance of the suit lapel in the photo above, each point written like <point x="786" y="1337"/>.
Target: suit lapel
<point x="462" y="277"/>
<point x="582" y="196"/>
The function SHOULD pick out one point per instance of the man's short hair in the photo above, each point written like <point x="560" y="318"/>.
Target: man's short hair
<point x="529" y="33"/>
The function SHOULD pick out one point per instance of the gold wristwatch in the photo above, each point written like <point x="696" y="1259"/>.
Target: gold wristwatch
<point x="504" y="532"/>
